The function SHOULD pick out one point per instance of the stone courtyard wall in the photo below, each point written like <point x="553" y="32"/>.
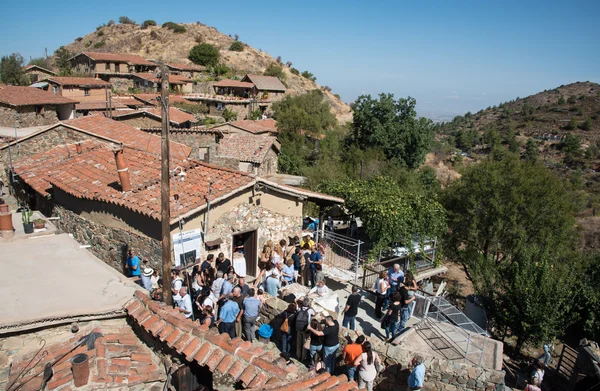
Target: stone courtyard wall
<point x="26" y="116"/>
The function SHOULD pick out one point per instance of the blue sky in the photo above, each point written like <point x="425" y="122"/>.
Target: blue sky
<point x="452" y="56"/>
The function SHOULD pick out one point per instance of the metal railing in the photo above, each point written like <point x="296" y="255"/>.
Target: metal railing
<point x="342" y="252"/>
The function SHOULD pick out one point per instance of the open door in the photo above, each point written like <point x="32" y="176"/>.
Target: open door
<point x="247" y="242"/>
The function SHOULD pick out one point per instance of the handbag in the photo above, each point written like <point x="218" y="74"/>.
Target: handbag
<point x="385" y="321"/>
<point x="307" y="343"/>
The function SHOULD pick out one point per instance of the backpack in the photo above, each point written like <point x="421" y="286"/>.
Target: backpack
<point x="285" y="326"/>
<point x="301" y="320"/>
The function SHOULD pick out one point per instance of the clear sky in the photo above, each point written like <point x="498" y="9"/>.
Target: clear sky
<point x="452" y="56"/>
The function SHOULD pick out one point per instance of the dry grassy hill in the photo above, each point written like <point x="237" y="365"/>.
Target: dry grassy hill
<point x="158" y="43"/>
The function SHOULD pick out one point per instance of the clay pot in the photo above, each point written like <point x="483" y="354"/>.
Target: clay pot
<point x="80" y="366"/>
<point x="6" y="221"/>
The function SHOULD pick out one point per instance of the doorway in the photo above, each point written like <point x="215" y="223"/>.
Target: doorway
<point x="247" y="242"/>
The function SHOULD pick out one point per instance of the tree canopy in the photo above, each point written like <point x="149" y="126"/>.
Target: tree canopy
<point x="204" y="54"/>
<point x="392" y="126"/>
<point x="11" y="70"/>
<point x="308" y="112"/>
<point x="61" y="60"/>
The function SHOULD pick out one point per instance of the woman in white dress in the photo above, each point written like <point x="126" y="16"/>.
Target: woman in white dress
<point x="366" y="364"/>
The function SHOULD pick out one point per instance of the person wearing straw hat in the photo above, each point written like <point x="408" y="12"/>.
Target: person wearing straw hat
<point x="146" y="278"/>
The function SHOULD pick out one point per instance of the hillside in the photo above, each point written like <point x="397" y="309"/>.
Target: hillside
<point x="158" y="43"/>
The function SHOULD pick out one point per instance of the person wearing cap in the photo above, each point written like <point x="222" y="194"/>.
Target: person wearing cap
<point x="133" y="264"/>
<point x="145" y="279"/>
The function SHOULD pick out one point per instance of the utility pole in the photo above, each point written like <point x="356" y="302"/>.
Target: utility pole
<point x="165" y="189"/>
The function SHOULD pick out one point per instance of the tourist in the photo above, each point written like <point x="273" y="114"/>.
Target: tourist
<point x="307" y="239"/>
<point x="411" y="288"/>
<point x="223" y="263"/>
<point x="207" y="270"/>
<point x="185" y="304"/>
<point x="351" y="352"/>
<point x="227" y="286"/>
<point x="286" y="250"/>
<point x="381" y="288"/>
<point x="302" y="319"/>
<point x="277" y="254"/>
<point x="316" y="264"/>
<point x="316" y="339"/>
<point x="236" y="295"/>
<point x="393" y="314"/>
<point x="203" y="300"/>
<point x="288" y="271"/>
<point x="272" y="283"/>
<point x="320" y="289"/>
<point x="396" y="276"/>
<point x="176" y="284"/>
<point x="197" y="282"/>
<point x="145" y="279"/>
<point x="538" y="373"/>
<point x="319" y="364"/>
<point x="243" y="286"/>
<point x="548" y="347"/>
<point x="330" y="340"/>
<point x="207" y="317"/>
<point x="239" y="262"/>
<point x="227" y="316"/>
<point x="330" y="223"/>
<point x="417" y="376"/>
<point x="154" y="279"/>
<point x="305" y="266"/>
<point x="297" y="260"/>
<point x="157" y="294"/>
<point x="251" y="306"/>
<point x="287" y="329"/>
<point x="351" y="309"/>
<point x="218" y="284"/>
<point x="132" y="264"/>
<point x="264" y="262"/>
<point x="367" y="366"/>
<point x="406" y="299"/>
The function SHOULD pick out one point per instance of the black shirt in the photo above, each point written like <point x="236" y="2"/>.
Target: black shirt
<point x="224" y="266"/>
<point x="352" y="303"/>
<point x="395" y="308"/>
<point x="296" y="259"/>
<point x="331" y="334"/>
<point x="205" y="266"/>
<point x="316" y="340"/>
<point x="244" y="289"/>
<point x="404" y="294"/>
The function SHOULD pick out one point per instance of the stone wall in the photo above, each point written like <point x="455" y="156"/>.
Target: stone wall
<point x="241" y="110"/>
<point x="196" y="140"/>
<point x="269" y="164"/>
<point x="108" y="243"/>
<point x="26" y="116"/>
<point x="119" y="83"/>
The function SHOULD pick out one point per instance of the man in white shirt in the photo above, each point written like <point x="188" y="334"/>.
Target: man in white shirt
<point x="176" y="285"/>
<point x="217" y="284"/>
<point x="185" y="304"/>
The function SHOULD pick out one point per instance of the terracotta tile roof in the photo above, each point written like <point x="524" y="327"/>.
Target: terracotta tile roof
<point x="118" y="359"/>
<point x="265" y="83"/>
<point x="268" y="125"/>
<point x="175" y="115"/>
<point x="323" y="381"/>
<point x="246" y="147"/>
<point x="310" y="195"/>
<point x="126" y="134"/>
<point x="28" y="96"/>
<point x="152" y="99"/>
<point x="132" y="59"/>
<point x="222" y="355"/>
<point x="33" y="66"/>
<point x="187" y="67"/>
<point x="125" y="113"/>
<point x="128" y="101"/>
<point x="92" y="175"/>
<point x="78" y="81"/>
<point x="99" y="105"/>
<point x="233" y="83"/>
<point x="173" y="79"/>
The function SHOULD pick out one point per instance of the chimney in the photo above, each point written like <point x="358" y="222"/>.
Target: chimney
<point x="122" y="169"/>
<point x="78" y="148"/>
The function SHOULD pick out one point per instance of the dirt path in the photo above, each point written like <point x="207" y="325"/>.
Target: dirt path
<point x="459" y="286"/>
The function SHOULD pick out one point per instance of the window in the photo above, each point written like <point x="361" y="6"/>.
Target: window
<point x="219" y="106"/>
<point x="55" y="89"/>
<point x="86" y="91"/>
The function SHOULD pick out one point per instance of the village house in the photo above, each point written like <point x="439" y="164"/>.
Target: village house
<point x="115" y="68"/>
<point x="255" y="154"/>
<point x="36" y="72"/>
<point x="149" y="82"/>
<point x="266" y="126"/>
<point x="266" y="87"/>
<point x="79" y="88"/>
<point x="151" y="118"/>
<point x="186" y="70"/>
<point x="99" y="107"/>
<point x="26" y="106"/>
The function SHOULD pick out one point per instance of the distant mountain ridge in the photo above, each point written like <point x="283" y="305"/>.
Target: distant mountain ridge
<point x="162" y="43"/>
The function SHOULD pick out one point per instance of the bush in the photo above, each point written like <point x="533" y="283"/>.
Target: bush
<point x="148" y="23"/>
<point x="220" y="69"/>
<point x="275" y="70"/>
<point x="98" y="45"/>
<point x="194" y="108"/>
<point x="561" y="100"/>
<point x="78" y="39"/>
<point x="295" y="71"/>
<point x="87" y="44"/>
<point x="236" y="46"/>
<point x="176" y="28"/>
<point x="587" y="124"/>
<point x="99" y="33"/>
<point x="326" y="88"/>
<point x="126" y="20"/>
<point x="572" y="124"/>
<point x="111" y="23"/>
<point x="204" y="54"/>
<point x="308" y="75"/>
<point x="572" y="100"/>
<point x="229" y="115"/>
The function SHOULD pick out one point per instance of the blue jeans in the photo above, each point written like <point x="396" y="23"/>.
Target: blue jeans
<point x="313" y="273"/>
<point x="329" y="352"/>
<point x="404" y="315"/>
<point x="547" y="356"/>
<point x="391" y="329"/>
<point x="286" y="342"/>
<point x="348" y="321"/>
<point x="350" y="371"/>
<point x="313" y="350"/>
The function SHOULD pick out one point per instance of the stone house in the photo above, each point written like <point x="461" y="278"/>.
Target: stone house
<point x="115" y="68"/>
<point x="99" y="107"/>
<point x="186" y="70"/>
<point x="259" y="127"/>
<point x="151" y="118"/>
<point x="148" y="82"/>
<point x="198" y="138"/>
<point x="255" y="154"/>
<point x="265" y="87"/>
<point x="26" y="106"/>
<point x="120" y="209"/>
<point x="36" y="72"/>
<point x="79" y="88"/>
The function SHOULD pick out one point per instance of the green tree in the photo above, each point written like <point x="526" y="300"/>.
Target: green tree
<point x="126" y="20"/>
<point x="390" y="212"/>
<point x="392" y="126"/>
<point x="11" y="70"/>
<point x="509" y="221"/>
<point x="236" y="46"/>
<point x="61" y="61"/>
<point x="491" y="137"/>
<point x="276" y="71"/>
<point x="531" y="151"/>
<point x="228" y="115"/>
<point x="39" y="61"/>
<point x="572" y="125"/>
<point x="571" y="145"/>
<point x="587" y="304"/>
<point x="204" y="54"/>
<point x="587" y="124"/>
<point x="295" y="71"/>
<point x="307" y="112"/>
<point x="561" y="100"/>
<point x="308" y="75"/>
<point x="148" y="23"/>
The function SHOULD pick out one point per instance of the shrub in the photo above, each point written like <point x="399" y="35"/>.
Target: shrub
<point x="338" y="96"/>
<point x="278" y="60"/>
<point x="236" y="37"/>
<point x="561" y="100"/>
<point x="87" y="44"/>
<point x="288" y="64"/>
<point x="176" y="28"/>
<point x="579" y="110"/>
<point x="126" y="20"/>
<point x="111" y="23"/>
<point x="236" y="46"/>
<point x="587" y="124"/>
<point x="148" y="23"/>
<point x="229" y="115"/>
<point x="326" y="88"/>
<point x="204" y="54"/>
<point x="275" y="70"/>
<point x="99" y="27"/>
<point x="295" y="71"/>
<point x="308" y="75"/>
<point x="572" y="100"/>
<point x="78" y="39"/>
<point x="100" y="33"/>
<point x="98" y="45"/>
<point x="220" y="69"/>
<point x="194" y="108"/>
<point x="572" y="124"/>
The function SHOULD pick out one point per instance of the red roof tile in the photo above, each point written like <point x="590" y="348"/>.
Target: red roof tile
<point x="29" y="96"/>
<point x="233" y="83"/>
<point x="132" y="59"/>
<point x="126" y="134"/>
<point x="246" y="147"/>
<point x="175" y="115"/>
<point x="173" y="79"/>
<point x="257" y="126"/>
<point x="78" y="81"/>
<point x="152" y="99"/>
<point x="98" y="105"/>
<point x="187" y="67"/>
<point x="33" y="66"/>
